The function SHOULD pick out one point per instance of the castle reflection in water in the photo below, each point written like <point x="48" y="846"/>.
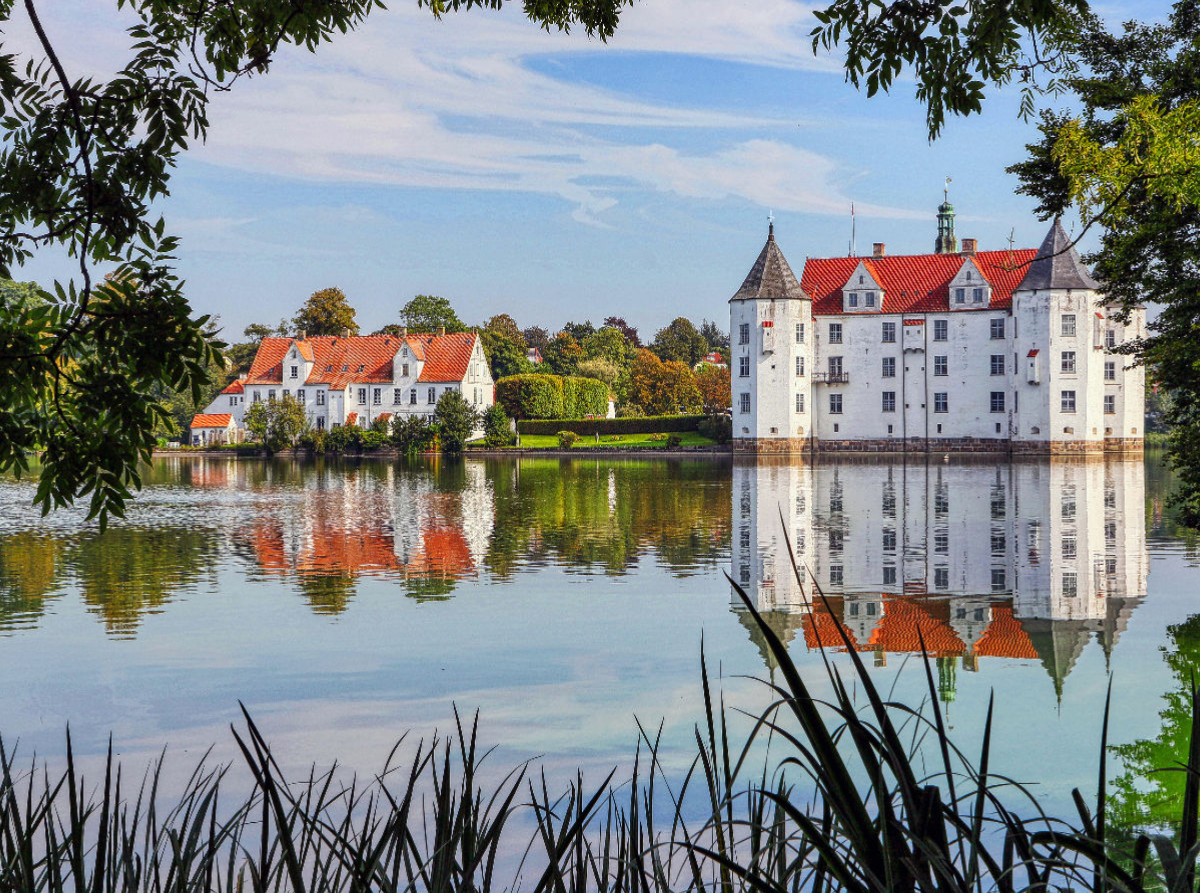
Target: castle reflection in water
<point x="1026" y="560"/>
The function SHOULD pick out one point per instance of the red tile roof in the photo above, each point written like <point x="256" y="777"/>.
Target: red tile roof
<point x="915" y="283"/>
<point x="446" y="357"/>
<point x="267" y="367"/>
<point x="338" y="362"/>
<point x="234" y="387"/>
<point x="212" y="420"/>
<point x="1005" y="637"/>
<point x="351" y="419"/>
<point x="383" y="417"/>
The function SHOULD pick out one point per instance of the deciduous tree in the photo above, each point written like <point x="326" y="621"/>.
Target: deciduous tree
<point x="563" y="354"/>
<point x="680" y="342"/>
<point x="630" y="332"/>
<point x="428" y="313"/>
<point x="662" y="388"/>
<point x="713" y="384"/>
<point x="455" y="419"/>
<point x="326" y="312"/>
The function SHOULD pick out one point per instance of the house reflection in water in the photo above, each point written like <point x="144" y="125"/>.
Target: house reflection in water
<point x="382" y="524"/>
<point x="1025" y="560"/>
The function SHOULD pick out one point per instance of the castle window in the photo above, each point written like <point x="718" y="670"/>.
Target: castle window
<point x="744" y="333"/>
<point x="997" y="401"/>
<point x="941" y="578"/>
<point x="835" y="404"/>
<point x="799" y="333"/>
<point x="941" y="402"/>
<point x="1070" y="584"/>
<point x="743" y="367"/>
<point x="941" y="330"/>
<point x="998" y="329"/>
<point x="997" y="364"/>
<point x="1068" y="361"/>
<point x="889" y="367"/>
<point x="835" y="368"/>
<point x="1068" y="401"/>
<point x="1068" y="325"/>
<point x="835" y="575"/>
<point x="799" y="365"/>
<point x="744" y="402"/>
<point x="889" y="333"/>
<point x="999" y="581"/>
<point x="889" y="401"/>
<point x="835" y="333"/>
<point x="941" y="543"/>
<point x="1110" y="339"/>
<point x="889" y="578"/>
<point x="1110" y="370"/>
<point x="799" y="403"/>
<point x="941" y="366"/>
<point x="1110" y="404"/>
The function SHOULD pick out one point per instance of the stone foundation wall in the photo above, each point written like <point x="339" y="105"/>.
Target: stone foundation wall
<point x="772" y="445"/>
<point x="1124" y="445"/>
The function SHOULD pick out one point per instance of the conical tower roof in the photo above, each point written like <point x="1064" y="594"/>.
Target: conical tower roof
<point x="1056" y="265"/>
<point x="1058" y="643"/>
<point x="771" y="278"/>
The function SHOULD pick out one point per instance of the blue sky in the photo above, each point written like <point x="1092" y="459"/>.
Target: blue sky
<point x="553" y="177"/>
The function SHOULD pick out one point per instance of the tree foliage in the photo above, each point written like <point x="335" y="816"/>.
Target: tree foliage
<point x="277" y="424"/>
<point x="713" y="384"/>
<point x="412" y="433"/>
<point x="563" y="354"/>
<point x="455" y="419"/>
<point x="680" y="342"/>
<point x="662" y="388"/>
<point x="496" y="426"/>
<point x="630" y="332"/>
<point x="428" y="313"/>
<point x="326" y="312"/>
<point x="504" y="346"/>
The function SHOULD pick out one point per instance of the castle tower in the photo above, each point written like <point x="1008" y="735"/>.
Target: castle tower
<point x="947" y="242"/>
<point x="771" y="357"/>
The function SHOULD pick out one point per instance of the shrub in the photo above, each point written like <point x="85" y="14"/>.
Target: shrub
<point x="373" y="439"/>
<point x="455" y="419"/>
<point x="496" y="431"/>
<point x="566" y="439"/>
<point x="673" y="441"/>
<point x="717" y="427"/>
<point x="627" y="425"/>
<point x="339" y="438"/>
<point x="412" y="434"/>
<point x="538" y="396"/>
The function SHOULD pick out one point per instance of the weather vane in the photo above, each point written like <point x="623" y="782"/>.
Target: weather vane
<point x="946" y="190"/>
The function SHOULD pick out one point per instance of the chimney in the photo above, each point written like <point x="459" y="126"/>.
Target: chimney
<point x="968" y="248"/>
<point x="879" y="249"/>
<point x="403" y="332"/>
<point x="345" y="333"/>
<point x="441" y="331"/>
<point x="300" y="337"/>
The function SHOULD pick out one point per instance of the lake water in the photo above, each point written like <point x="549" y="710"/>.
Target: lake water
<point x="347" y="602"/>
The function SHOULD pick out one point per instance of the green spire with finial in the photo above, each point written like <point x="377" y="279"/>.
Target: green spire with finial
<point x="947" y="242"/>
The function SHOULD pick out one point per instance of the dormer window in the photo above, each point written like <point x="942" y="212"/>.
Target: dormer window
<point x="329" y="368"/>
<point x="870" y="299"/>
<point x="960" y="295"/>
<point x="345" y="368"/>
<point x="860" y="280"/>
<point x="854" y="298"/>
<point x="968" y="289"/>
<point x="361" y="367"/>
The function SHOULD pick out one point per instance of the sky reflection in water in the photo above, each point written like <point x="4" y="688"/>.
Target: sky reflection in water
<point x="347" y="602"/>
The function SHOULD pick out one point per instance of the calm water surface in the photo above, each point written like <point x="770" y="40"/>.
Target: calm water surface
<point x="345" y="603"/>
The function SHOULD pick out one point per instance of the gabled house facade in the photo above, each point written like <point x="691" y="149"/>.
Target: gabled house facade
<point x="361" y="379"/>
<point x="1009" y="350"/>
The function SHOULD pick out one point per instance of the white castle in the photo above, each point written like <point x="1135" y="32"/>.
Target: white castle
<point x="966" y="350"/>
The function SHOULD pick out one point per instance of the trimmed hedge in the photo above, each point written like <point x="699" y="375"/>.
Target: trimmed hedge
<point x="587" y="427"/>
<point x="537" y="396"/>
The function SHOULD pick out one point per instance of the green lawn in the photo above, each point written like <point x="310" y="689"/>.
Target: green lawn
<point x="617" y="441"/>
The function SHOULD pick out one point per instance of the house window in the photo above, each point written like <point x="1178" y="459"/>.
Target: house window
<point x="870" y="299"/>
<point x="997" y="364"/>
<point x="744" y="333"/>
<point x="835" y="575"/>
<point x="320" y="398"/>
<point x="320" y="421"/>
<point x="978" y="296"/>
<point x="835" y="404"/>
<point x="300" y="395"/>
<point x="1068" y="361"/>
<point x="941" y="578"/>
<point x="362" y="396"/>
<point x="960" y="295"/>
<point x="1070" y="584"/>
<point x="1068" y="401"/>
<point x="997" y="329"/>
<point x="233" y="401"/>
<point x="941" y="366"/>
<point x="431" y="395"/>
<point x="835" y="333"/>
<point x="744" y="403"/>
<point x="1110" y="404"/>
<point x="271" y="395"/>
<point x="404" y="370"/>
<point x="889" y="333"/>
<point x="295" y="372"/>
<point x="889" y="540"/>
<point x="1068" y="325"/>
<point x="941" y="543"/>
<point x="889" y="367"/>
<point x="799" y="403"/>
<point x="412" y="397"/>
<point x="853" y="299"/>
<point x="743" y="367"/>
<point x="1110" y="338"/>
<point x="941" y="402"/>
<point x="799" y="365"/>
<point x="999" y="544"/>
<point x="941" y="330"/>
<point x="835" y="368"/>
<point x="997" y="401"/>
<point x="889" y="577"/>
<point x="799" y="333"/>
<point x="1110" y="370"/>
<point x="889" y="401"/>
<point x="999" y="579"/>
<point x="377" y="396"/>
<point x="397" y="396"/>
